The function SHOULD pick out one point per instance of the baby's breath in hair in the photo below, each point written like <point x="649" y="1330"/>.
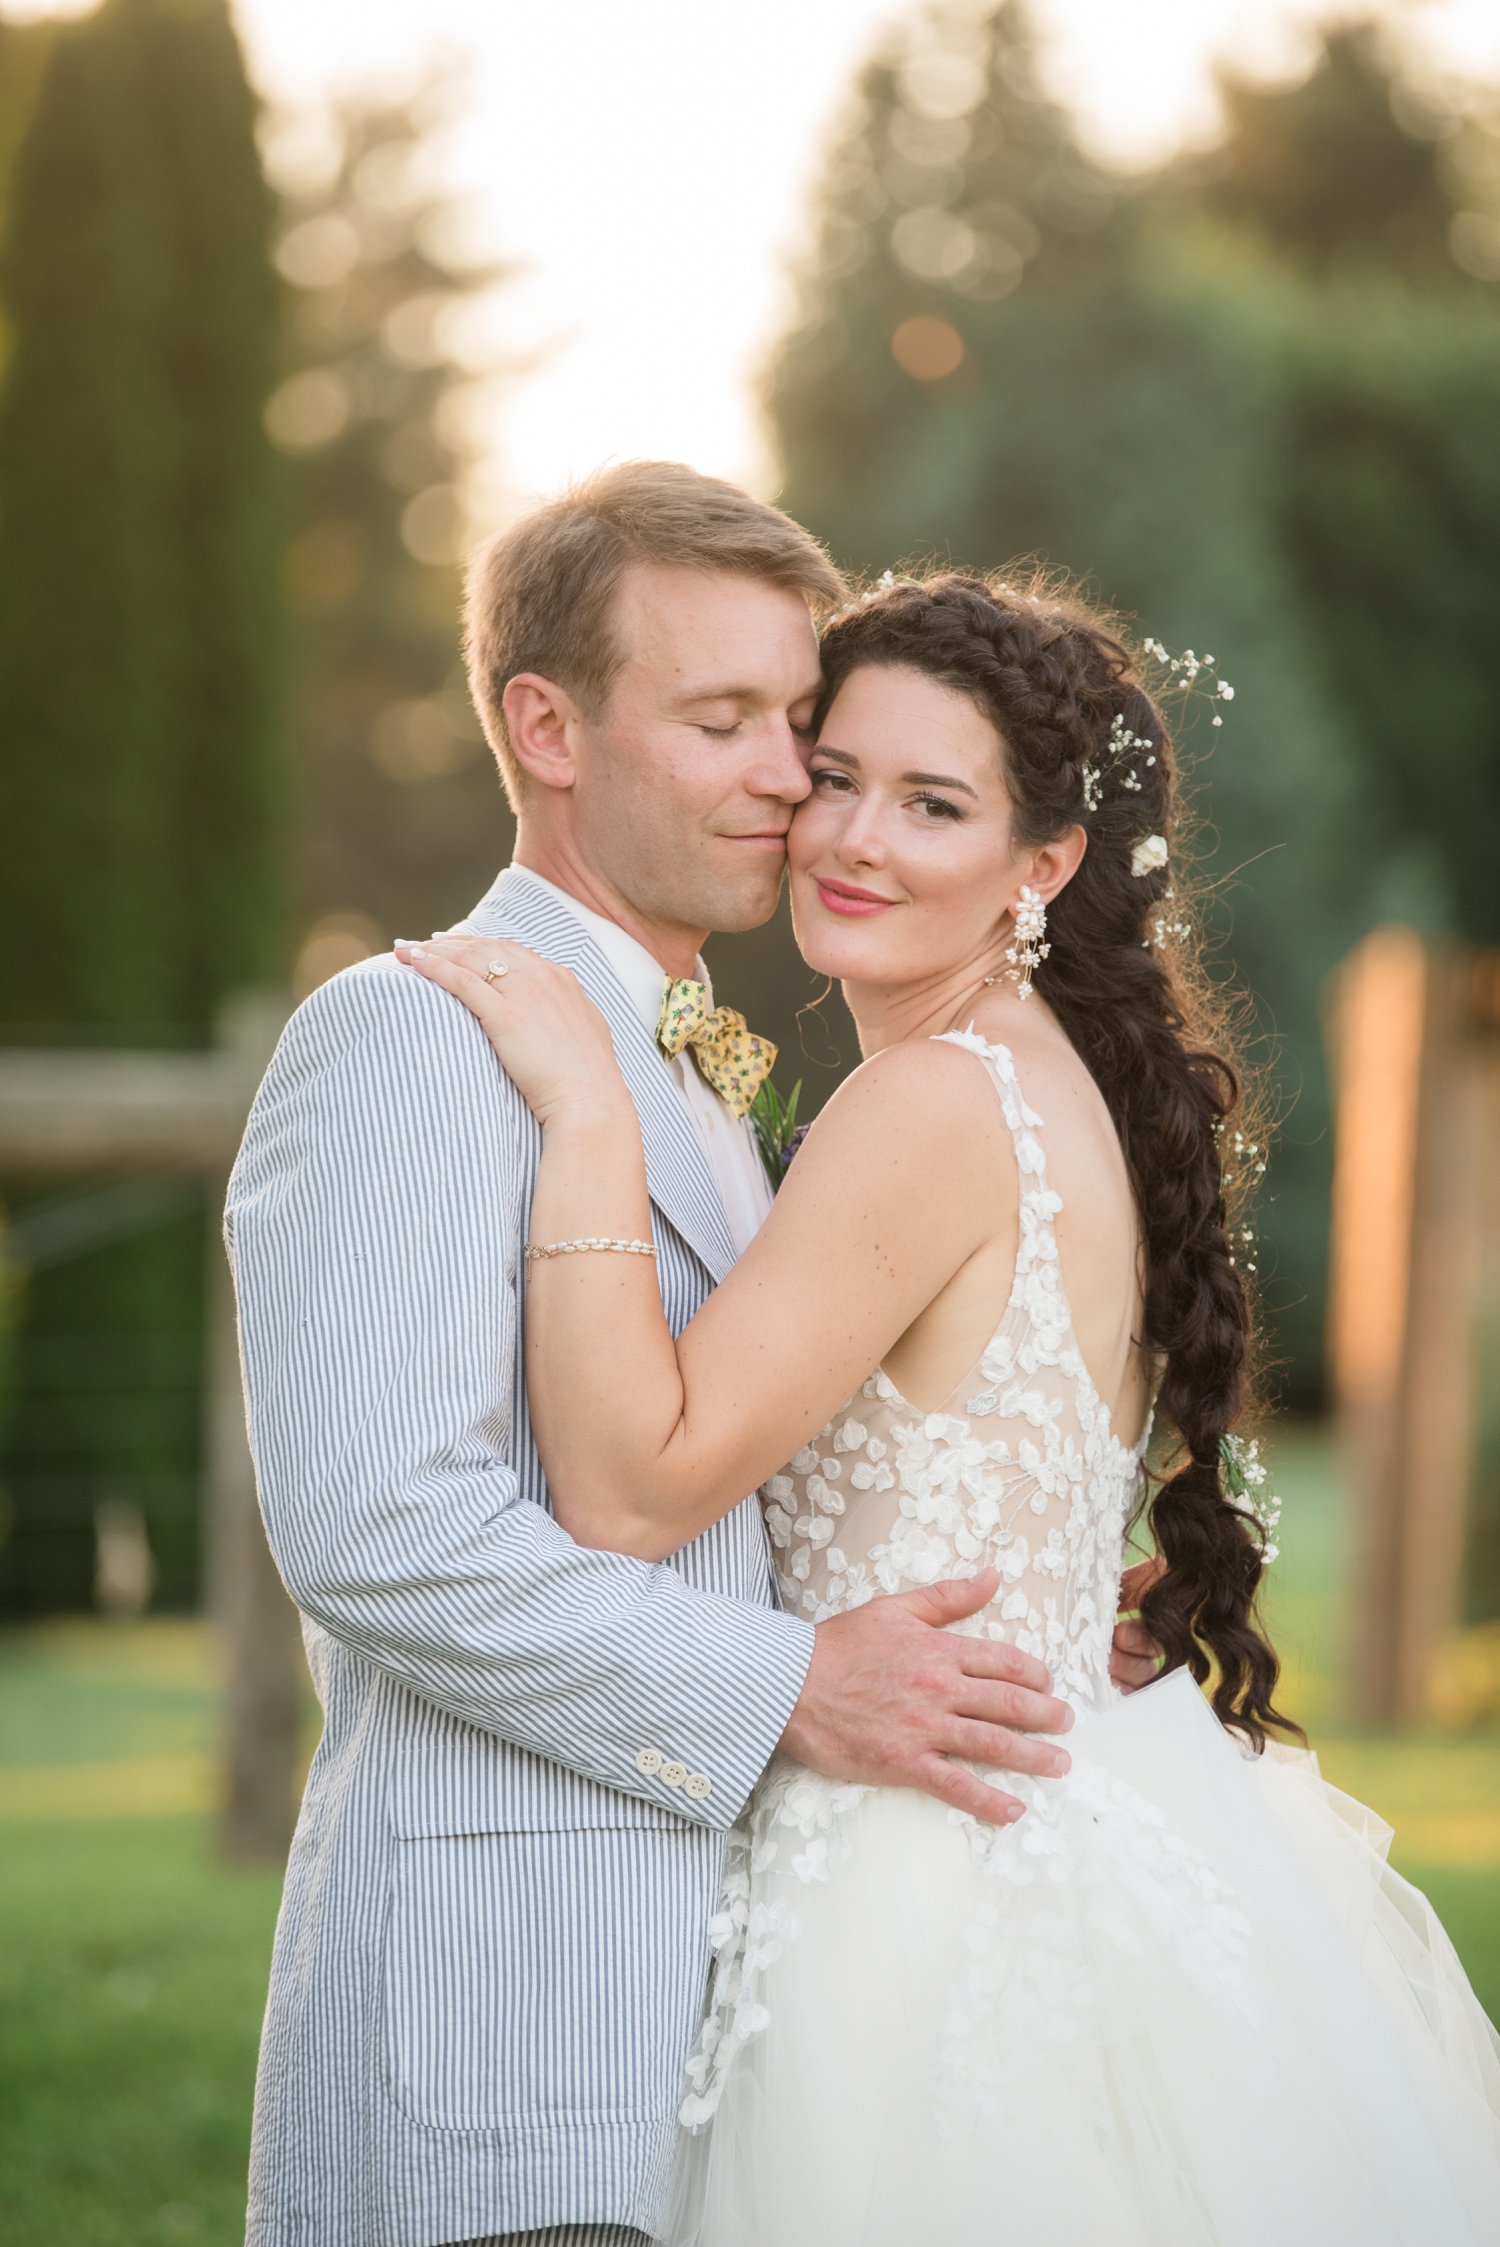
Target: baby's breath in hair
<point x="1121" y="748"/>
<point x="1187" y="666"/>
<point x="1244" y="1481"/>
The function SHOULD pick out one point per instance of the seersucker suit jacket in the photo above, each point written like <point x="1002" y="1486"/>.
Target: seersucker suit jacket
<point x="492" y="1948"/>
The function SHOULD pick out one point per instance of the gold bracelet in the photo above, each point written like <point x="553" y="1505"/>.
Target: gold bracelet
<point x="534" y="1254"/>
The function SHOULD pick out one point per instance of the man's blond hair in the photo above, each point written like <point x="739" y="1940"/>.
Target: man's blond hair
<point x="541" y="596"/>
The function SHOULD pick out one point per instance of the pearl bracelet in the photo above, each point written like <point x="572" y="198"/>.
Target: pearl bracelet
<point x="534" y="1254"/>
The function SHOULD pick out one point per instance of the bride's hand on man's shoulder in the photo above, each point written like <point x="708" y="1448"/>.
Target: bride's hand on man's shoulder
<point x="552" y="1039"/>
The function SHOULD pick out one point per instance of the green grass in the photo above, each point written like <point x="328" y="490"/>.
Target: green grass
<point x="84" y="1692"/>
<point x="1439" y="1790"/>
<point x="132" y="1979"/>
<point x="133" y="1966"/>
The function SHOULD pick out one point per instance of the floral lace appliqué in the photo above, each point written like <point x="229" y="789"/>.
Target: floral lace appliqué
<point x="1020" y="1471"/>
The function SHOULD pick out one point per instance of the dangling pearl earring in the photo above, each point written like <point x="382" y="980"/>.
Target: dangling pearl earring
<point x="1027" y="951"/>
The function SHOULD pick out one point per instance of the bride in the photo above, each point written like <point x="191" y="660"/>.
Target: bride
<point x="1177" y="1997"/>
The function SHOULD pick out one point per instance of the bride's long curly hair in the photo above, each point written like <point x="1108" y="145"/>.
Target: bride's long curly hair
<point x="1126" y="980"/>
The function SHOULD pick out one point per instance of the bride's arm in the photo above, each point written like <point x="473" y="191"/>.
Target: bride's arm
<point x="647" y="1441"/>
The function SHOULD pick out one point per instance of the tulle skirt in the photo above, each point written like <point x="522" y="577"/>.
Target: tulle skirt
<point x="1182" y="2003"/>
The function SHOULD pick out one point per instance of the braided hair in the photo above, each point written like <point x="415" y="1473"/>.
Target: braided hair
<point x="1084" y="744"/>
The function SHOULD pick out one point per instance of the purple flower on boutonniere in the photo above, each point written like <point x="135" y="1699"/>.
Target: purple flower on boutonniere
<point x="777" y="1131"/>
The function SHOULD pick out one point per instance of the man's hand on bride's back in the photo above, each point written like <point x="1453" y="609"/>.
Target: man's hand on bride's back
<point x="552" y="1039"/>
<point x="1134" y="1656"/>
<point x="892" y="1699"/>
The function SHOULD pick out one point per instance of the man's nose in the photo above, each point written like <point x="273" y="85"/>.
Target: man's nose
<point x="778" y="769"/>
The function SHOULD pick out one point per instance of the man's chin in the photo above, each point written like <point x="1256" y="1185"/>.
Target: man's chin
<point x="734" y="886"/>
<point x="744" y="903"/>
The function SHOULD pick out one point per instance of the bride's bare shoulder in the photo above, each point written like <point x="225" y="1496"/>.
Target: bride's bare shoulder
<point x="923" y="1103"/>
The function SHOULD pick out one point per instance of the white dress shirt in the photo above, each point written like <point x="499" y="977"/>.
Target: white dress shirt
<point x="727" y="1140"/>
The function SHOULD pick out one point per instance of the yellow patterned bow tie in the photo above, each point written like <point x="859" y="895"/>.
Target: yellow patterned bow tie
<point x="730" y="1057"/>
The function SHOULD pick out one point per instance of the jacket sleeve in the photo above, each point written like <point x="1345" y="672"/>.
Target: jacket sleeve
<point x="372" y="1227"/>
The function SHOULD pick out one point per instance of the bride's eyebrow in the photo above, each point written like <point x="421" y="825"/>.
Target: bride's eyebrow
<point x="938" y="780"/>
<point x="908" y="779"/>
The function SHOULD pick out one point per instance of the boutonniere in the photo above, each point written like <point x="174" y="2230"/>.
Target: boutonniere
<point x="777" y="1131"/>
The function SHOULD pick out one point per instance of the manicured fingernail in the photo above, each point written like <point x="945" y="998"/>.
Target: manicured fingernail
<point x="1061" y="1764"/>
<point x="417" y="951"/>
<point x="1015" y="1811"/>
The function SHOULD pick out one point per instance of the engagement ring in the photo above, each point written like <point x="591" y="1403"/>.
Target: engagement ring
<point x="497" y="967"/>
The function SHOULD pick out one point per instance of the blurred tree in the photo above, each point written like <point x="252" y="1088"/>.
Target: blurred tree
<point x="1388" y="511"/>
<point x="404" y="822"/>
<point x="1323" y="171"/>
<point x="1229" y="401"/>
<point x="953" y="178"/>
<point x="140" y="628"/>
<point x="1385" y="193"/>
<point x="141" y="643"/>
<point x="24" y="48"/>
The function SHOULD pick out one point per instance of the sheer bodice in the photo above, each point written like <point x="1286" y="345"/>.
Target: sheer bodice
<point x="1019" y="1469"/>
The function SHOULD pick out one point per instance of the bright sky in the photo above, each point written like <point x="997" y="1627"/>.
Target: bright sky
<point x="648" y="165"/>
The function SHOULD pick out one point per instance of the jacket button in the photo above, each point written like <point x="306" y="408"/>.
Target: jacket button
<point x="699" y="1785"/>
<point x="648" y="1763"/>
<point x="673" y="1774"/>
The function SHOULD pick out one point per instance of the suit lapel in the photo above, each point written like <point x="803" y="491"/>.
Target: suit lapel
<point x="677" y="1173"/>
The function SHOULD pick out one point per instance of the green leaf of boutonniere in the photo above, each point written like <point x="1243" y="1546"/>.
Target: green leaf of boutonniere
<point x="777" y="1132"/>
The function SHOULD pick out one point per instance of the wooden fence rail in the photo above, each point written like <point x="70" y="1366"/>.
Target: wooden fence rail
<point x="160" y="1122"/>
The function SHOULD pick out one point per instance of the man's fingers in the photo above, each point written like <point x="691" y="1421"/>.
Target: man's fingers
<point x="1003" y="1749"/>
<point x="1019" y="1710"/>
<point x="1135" y="1657"/>
<point x="1137" y="1581"/>
<point x="950" y="1602"/>
<point x="940" y="1604"/>
<point x="950" y="1783"/>
<point x="993" y="1658"/>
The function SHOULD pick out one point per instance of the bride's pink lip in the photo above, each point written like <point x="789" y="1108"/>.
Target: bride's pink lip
<point x="843" y="897"/>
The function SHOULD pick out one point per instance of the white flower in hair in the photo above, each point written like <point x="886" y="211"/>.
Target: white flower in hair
<point x="1149" y="853"/>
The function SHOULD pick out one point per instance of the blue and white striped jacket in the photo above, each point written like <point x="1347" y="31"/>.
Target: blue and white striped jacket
<point x="491" y="1953"/>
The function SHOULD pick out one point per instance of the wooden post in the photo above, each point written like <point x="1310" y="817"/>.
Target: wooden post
<point x="1404" y="1277"/>
<point x="1438" y="1360"/>
<point x="1376" y="1041"/>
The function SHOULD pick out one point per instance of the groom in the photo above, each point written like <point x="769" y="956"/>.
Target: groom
<point x="492" y="1949"/>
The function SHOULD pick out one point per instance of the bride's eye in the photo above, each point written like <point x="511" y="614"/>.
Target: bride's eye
<point x="835" y="782"/>
<point x="938" y="807"/>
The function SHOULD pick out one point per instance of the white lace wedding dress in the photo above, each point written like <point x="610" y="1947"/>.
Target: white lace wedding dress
<point x="1182" y="2003"/>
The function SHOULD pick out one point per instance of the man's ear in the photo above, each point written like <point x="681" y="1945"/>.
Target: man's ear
<point x="542" y="720"/>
